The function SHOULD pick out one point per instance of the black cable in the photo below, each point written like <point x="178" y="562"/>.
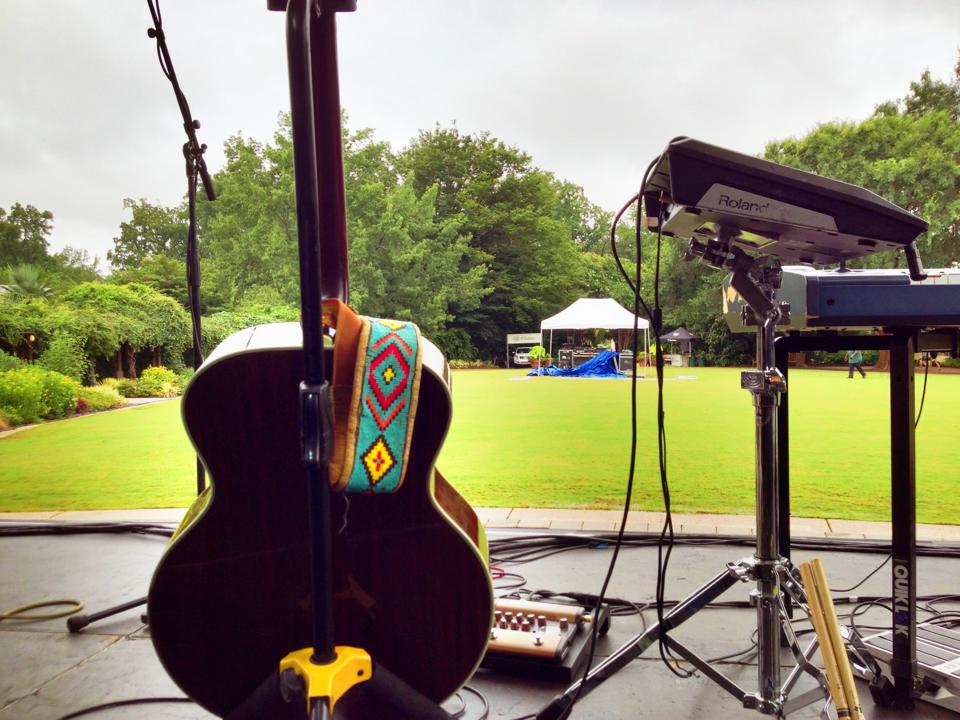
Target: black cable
<point x="523" y="548"/>
<point x="923" y="394"/>
<point x="460" y="710"/>
<point x="870" y="575"/>
<point x="125" y="703"/>
<point x="483" y="699"/>
<point x="637" y="302"/>
<point x="20" y="529"/>
<point x="666" y="533"/>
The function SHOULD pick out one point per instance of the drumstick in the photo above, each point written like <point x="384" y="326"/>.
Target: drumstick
<point x="826" y="648"/>
<point x="833" y="628"/>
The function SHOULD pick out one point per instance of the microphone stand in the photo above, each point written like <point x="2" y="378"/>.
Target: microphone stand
<point x="195" y="166"/>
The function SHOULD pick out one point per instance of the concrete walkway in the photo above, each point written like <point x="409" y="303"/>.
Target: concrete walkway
<point x="561" y="519"/>
<point x="128" y="403"/>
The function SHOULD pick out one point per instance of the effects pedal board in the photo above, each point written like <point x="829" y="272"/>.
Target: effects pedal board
<point x="549" y="641"/>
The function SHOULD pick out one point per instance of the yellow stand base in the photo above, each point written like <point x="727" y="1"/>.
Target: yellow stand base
<point x="333" y="680"/>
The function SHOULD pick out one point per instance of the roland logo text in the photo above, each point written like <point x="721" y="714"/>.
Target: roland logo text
<point x="738" y="203"/>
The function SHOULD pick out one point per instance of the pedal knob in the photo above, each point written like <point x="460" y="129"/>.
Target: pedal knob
<point x="514" y="625"/>
<point x="496" y="616"/>
<point x="541" y="621"/>
<point x="504" y="624"/>
<point x="525" y="626"/>
<point x="508" y="616"/>
<point x="564" y="623"/>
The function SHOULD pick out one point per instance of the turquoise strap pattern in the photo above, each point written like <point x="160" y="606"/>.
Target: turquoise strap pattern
<point x="389" y="388"/>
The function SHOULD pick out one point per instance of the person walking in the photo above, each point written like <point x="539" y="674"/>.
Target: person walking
<point x="854" y="360"/>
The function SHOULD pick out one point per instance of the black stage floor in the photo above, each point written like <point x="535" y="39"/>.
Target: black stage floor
<point x="45" y="672"/>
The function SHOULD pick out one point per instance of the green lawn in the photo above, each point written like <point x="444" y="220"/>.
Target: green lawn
<point x="555" y="442"/>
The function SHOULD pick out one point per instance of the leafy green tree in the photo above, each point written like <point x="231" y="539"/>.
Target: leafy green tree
<point x="25" y="281"/>
<point x="151" y="230"/>
<point x="164" y="274"/>
<point x="927" y="95"/>
<point x="407" y="263"/>
<point x="250" y="232"/>
<point x="908" y="153"/>
<point x="911" y="161"/>
<point x="600" y="278"/>
<point x="71" y="267"/>
<point x="588" y="224"/>
<point x="65" y="354"/>
<point x="23" y="235"/>
<point x="512" y="212"/>
<point x="120" y="320"/>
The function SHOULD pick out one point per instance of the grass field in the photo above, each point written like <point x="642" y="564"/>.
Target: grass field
<point x="555" y="442"/>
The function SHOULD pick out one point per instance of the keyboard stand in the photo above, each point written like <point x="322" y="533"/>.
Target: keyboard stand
<point x="902" y="344"/>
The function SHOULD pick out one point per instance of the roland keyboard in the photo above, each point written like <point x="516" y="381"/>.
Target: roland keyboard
<point x="842" y="299"/>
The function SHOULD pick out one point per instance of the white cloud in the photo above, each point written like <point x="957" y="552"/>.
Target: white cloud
<point x="591" y="90"/>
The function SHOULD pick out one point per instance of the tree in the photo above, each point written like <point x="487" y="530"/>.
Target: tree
<point x="512" y="212"/>
<point x="588" y="224"/>
<point x="927" y="95"/>
<point x="71" y="267"/>
<point x="908" y="153"/>
<point x="23" y="235"/>
<point x="152" y="230"/>
<point x="250" y="232"/>
<point x="160" y="272"/>
<point x="913" y="161"/>
<point x="25" y="281"/>
<point x="119" y="320"/>
<point x="407" y="263"/>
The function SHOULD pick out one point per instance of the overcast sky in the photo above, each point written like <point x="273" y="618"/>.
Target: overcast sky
<point x="592" y="89"/>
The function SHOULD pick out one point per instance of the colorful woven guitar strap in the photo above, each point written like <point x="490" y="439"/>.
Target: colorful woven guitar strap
<point x="383" y="406"/>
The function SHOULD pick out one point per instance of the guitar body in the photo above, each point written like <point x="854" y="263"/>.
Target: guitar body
<point x="231" y="596"/>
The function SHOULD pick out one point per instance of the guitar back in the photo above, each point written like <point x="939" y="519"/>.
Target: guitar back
<point x="231" y="596"/>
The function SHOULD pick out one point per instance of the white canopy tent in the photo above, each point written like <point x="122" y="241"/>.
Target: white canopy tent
<point x="596" y="313"/>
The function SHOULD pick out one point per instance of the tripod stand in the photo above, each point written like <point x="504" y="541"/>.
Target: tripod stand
<point x="772" y="573"/>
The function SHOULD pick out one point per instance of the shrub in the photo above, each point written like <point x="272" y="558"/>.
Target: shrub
<point x="4" y="423"/>
<point x="470" y="364"/>
<point x="9" y="362"/>
<point x="100" y="397"/>
<point x="124" y="386"/>
<point x="20" y="392"/>
<point x="159" y="381"/>
<point x="59" y="394"/>
<point x="30" y="394"/>
<point x="66" y="356"/>
<point x="82" y="406"/>
<point x="186" y="375"/>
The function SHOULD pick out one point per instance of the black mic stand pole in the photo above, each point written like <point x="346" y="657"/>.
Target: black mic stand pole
<point x="193" y="154"/>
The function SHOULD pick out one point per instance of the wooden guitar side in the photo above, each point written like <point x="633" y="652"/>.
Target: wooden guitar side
<point x="231" y="596"/>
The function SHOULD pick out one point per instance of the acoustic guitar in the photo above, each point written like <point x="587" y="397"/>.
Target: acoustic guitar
<point x="232" y="595"/>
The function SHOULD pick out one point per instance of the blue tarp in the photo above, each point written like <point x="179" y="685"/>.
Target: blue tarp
<point x="600" y="366"/>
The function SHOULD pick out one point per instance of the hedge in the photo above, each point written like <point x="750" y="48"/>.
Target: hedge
<point x="30" y="394"/>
